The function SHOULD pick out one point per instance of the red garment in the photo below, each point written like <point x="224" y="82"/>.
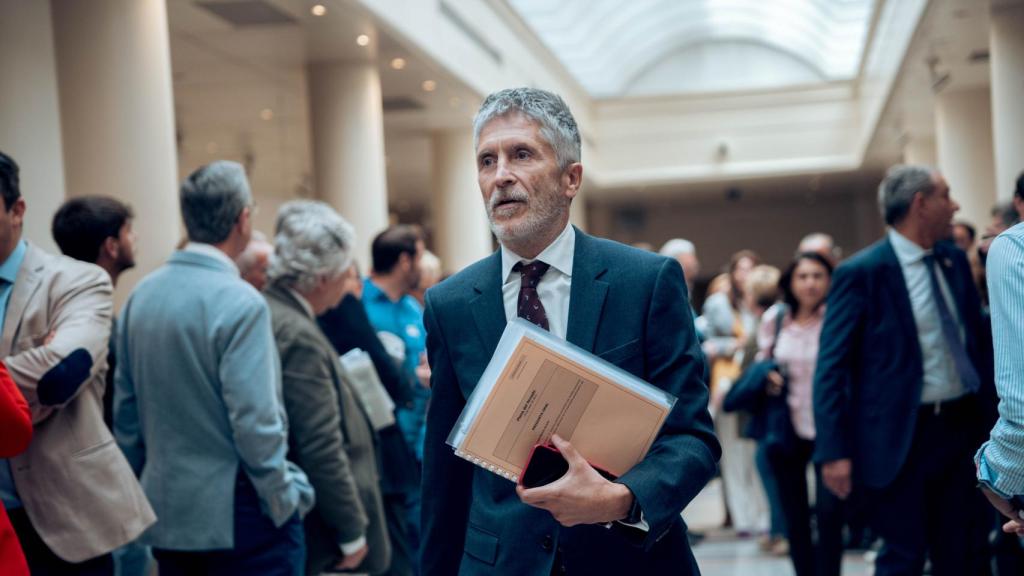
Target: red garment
<point x="15" y="434"/>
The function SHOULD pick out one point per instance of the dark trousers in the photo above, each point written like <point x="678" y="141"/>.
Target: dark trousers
<point x="777" y="526"/>
<point x="931" y="507"/>
<point x="403" y="555"/>
<point x="260" y="547"/>
<point x="789" y="464"/>
<point x="43" y="562"/>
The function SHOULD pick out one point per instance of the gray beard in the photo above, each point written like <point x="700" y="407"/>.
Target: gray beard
<point x="547" y="212"/>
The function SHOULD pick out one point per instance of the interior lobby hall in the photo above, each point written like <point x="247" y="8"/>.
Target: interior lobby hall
<point x="741" y="126"/>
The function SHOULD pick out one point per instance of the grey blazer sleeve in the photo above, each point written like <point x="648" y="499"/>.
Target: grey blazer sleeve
<point x="250" y="374"/>
<point x="316" y="437"/>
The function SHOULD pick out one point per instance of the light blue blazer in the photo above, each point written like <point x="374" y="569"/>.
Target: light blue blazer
<point x="197" y="394"/>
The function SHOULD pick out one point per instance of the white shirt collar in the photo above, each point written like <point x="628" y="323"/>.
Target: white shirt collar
<point x="302" y="302"/>
<point x="559" y="254"/>
<point x="907" y="251"/>
<point x="211" y="251"/>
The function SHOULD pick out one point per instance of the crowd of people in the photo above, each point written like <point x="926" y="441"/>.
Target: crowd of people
<point x="216" y="401"/>
<point x="885" y="388"/>
<point x="258" y="406"/>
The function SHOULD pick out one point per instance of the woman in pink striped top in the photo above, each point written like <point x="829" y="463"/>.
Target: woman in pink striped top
<point x="804" y="286"/>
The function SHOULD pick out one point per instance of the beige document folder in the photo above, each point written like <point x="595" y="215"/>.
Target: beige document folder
<point x="536" y="385"/>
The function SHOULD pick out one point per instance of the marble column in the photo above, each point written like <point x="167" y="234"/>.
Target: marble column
<point x="963" y="127"/>
<point x="347" y="118"/>
<point x="117" y="116"/>
<point x="30" y="113"/>
<point x="1007" y="69"/>
<point x="462" y="234"/>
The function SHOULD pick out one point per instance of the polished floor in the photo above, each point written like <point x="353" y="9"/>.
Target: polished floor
<point x="723" y="554"/>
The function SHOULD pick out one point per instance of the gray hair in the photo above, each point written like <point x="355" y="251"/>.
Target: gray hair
<point x="896" y="192"/>
<point x="676" y="247"/>
<point x="312" y="242"/>
<point x="212" y="198"/>
<point x="557" y="124"/>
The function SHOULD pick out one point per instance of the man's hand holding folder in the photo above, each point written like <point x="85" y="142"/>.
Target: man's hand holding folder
<point x="582" y="495"/>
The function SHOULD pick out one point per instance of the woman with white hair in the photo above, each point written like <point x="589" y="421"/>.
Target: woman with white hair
<point x="330" y="437"/>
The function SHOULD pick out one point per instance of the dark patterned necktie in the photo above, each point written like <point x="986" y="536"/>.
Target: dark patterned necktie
<point x="951" y="332"/>
<point x="530" y="306"/>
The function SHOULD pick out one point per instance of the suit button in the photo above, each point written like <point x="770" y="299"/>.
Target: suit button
<point x="548" y="544"/>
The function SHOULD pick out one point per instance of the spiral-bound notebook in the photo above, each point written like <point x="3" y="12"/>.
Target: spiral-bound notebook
<point x="537" y="384"/>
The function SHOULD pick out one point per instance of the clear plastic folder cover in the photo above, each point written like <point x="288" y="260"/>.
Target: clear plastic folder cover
<point x="537" y="384"/>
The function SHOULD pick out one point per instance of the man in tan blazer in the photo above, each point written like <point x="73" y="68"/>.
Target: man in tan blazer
<point x="72" y="496"/>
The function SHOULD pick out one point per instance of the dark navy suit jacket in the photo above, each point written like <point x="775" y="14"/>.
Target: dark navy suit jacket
<point x="628" y="306"/>
<point x="868" y="381"/>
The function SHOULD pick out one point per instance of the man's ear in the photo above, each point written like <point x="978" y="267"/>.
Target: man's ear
<point x="572" y="179"/>
<point x="111" y="247"/>
<point x="17" y="212"/>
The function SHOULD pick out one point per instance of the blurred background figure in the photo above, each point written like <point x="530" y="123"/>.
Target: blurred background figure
<point x="823" y="244"/>
<point x="348" y="327"/>
<point x="789" y="335"/>
<point x="396" y="315"/>
<point x="255" y="259"/>
<point x="964" y="235"/>
<point x="684" y="252"/>
<point x="98" y="230"/>
<point x="730" y="325"/>
<point x="330" y="436"/>
<point x="195" y="342"/>
<point x="431" y="273"/>
<point x="761" y="293"/>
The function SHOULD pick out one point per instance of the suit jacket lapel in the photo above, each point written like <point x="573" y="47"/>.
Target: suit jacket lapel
<point x="588" y="292"/>
<point x="29" y="279"/>
<point x="893" y="274"/>
<point x="488" y="306"/>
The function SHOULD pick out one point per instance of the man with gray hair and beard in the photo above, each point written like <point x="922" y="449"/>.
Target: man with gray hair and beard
<point x="197" y="407"/>
<point x="330" y="436"/>
<point x="624" y="304"/>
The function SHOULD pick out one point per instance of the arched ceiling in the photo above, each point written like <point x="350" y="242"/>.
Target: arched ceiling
<point x="606" y="43"/>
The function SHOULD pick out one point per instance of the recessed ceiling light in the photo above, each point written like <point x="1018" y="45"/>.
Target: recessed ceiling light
<point x="398" y="63"/>
<point x="318" y="10"/>
<point x="429" y="85"/>
<point x="267" y="114"/>
<point x="363" y="40"/>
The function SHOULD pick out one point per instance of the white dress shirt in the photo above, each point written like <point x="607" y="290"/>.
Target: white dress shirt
<point x="553" y="290"/>
<point x="941" y="379"/>
<point x="554" y="286"/>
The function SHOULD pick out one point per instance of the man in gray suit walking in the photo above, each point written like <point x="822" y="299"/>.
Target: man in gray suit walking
<point x="198" y="408"/>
